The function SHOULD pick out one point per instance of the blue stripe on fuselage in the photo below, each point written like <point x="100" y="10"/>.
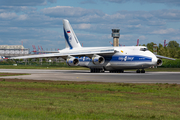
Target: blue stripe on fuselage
<point x="120" y="58"/>
<point x="67" y="39"/>
<point x="131" y="58"/>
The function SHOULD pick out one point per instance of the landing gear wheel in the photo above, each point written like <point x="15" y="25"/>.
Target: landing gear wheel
<point x="142" y="71"/>
<point x="138" y="71"/>
<point x="96" y="70"/>
<point x="122" y="71"/>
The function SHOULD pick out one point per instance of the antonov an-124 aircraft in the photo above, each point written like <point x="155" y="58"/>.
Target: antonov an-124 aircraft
<point x="100" y="59"/>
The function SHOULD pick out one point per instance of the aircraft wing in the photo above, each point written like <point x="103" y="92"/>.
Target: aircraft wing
<point x="71" y="53"/>
<point x="163" y="57"/>
<point x="37" y="56"/>
<point x="47" y="51"/>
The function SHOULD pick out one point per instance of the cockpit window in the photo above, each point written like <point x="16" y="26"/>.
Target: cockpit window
<point x="143" y="49"/>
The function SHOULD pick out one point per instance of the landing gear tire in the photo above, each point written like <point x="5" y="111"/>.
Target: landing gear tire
<point x="96" y="70"/>
<point x="138" y="71"/>
<point x="142" y="71"/>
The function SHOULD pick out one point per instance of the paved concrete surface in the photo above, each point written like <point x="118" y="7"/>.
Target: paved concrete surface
<point x="84" y="75"/>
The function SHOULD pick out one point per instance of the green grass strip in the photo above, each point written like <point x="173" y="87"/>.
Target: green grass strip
<point x="20" y="99"/>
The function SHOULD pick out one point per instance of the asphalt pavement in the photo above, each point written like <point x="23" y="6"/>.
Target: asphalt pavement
<point x="85" y="75"/>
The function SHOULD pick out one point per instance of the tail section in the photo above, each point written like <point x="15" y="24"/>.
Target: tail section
<point x="70" y="37"/>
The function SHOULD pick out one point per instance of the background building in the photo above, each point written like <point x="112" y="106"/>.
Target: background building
<point x="13" y="50"/>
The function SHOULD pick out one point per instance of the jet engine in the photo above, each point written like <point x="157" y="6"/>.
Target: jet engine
<point x="159" y="62"/>
<point x="98" y="60"/>
<point x="72" y="61"/>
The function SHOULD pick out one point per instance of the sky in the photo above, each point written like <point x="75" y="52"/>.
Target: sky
<point x="39" y="22"/>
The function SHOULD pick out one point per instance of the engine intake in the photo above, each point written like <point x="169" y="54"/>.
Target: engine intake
<point x="98" y="60"/>
<point x="72" y="61"/>
<point x="159" y="62"/>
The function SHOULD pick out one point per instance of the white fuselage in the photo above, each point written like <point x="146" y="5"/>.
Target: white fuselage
<point x="132" y="57"/>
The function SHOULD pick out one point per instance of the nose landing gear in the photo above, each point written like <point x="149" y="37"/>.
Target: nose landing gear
<point x="140" y="71"/>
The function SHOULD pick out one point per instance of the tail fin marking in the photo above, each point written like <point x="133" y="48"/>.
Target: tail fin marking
<point x="70" y="36"/>
<point x="68" y="44"/>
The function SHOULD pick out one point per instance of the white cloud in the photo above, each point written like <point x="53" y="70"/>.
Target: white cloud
<point x="134" y="26"/>
<point x="84" y="26"/>
<point x="40" y="25"/>
<point x="175" y="38"/>
<point x="117" y="1"/>
<point x="127" y="37"/>
<point x="142" y="37"/>
<point x="17" y="9"/>
<point x="68" y="11"/>
<point x="166" y="31"/>
<point x="23" y="2"/>
<point x="166" y="2"/>
<point x="8" y="15"/>
<point x="169" y="15"/>
<point x="117" y="16"/>
<point x="22" y="17"/>
<point x="88" y="2"/>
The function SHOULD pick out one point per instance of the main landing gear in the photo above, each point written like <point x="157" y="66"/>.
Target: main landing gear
<point x="96" y="70"/>
<point x="140" y="71"/>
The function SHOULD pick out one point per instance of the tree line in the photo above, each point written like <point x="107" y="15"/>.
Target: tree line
<point x="171" y="50"/>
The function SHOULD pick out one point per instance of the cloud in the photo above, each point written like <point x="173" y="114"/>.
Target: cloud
<point x="52" y="1"/>
<point x="68" y="11"/>
<point x="134" y="26"/>
<point x="166" y="2"/>
<point x="23" y="2"/>
<point x="166" y="31"/>
<point x="170" y="15"/>
<point x="22" y="17"/>
<point x="17" y="9"/>
<point x="175" y="38"/>
<point x="142" y="37"/>
<point x="8" y="15"/>
<point x="84" y="26"/>
<point x="40" y="26"/>
<point x="92" y="20"/>
<point x="88" y="2"/>
<point x="14" y="35"/>
<point x="117" y="1"/>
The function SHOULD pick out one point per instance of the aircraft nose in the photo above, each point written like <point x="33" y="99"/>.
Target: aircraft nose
<point x="154" y="60"/>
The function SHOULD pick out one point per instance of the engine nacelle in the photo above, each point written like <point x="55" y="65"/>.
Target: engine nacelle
<point x="159" y="62"/>
<point x="72" y="61"/>
<point x="98" y="60"/>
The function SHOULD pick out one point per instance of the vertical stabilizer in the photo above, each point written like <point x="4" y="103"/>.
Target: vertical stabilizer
<point x="70" y="37"/>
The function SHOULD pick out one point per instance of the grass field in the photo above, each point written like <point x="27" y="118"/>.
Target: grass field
<point x="54" y="100"/>
<point x="41" y="67"/>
